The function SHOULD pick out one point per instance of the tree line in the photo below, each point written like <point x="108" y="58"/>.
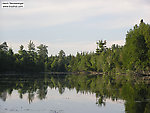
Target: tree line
<point x="134" y="56"/>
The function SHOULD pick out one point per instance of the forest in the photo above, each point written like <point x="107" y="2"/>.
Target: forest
<point x="133" y="56"/>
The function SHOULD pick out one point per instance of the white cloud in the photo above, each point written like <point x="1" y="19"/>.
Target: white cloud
<point x="119" y="42"/>
<point x="49" y="12"/>
<point x="72" y="47"/>
<point x="109" y="14"/>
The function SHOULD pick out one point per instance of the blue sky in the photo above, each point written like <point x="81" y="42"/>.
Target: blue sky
<point x="71" y="25"/>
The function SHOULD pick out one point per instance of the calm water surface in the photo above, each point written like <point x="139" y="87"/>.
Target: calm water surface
<point x="72" y="94"/>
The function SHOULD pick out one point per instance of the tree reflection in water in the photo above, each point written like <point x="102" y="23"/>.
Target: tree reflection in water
<point x="135" y="92"/>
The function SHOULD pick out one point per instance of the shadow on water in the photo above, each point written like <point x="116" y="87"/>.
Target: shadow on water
<point x="134" y="92"/>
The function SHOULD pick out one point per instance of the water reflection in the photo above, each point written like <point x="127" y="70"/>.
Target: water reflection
<point x="134" y="92"/>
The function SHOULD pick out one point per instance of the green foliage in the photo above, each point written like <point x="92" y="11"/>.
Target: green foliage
<point x="31" y="46"/>
<point x="23" y="61"/>
<point x="136" y="49"/>
<point x="4" y="47"/>
<point x="134" y="56"/>
<point x="101" y="46"/>
<point x="42" y="52"/>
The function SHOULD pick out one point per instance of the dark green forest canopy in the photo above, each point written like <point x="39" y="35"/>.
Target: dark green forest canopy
<point x="133" y="56"/>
